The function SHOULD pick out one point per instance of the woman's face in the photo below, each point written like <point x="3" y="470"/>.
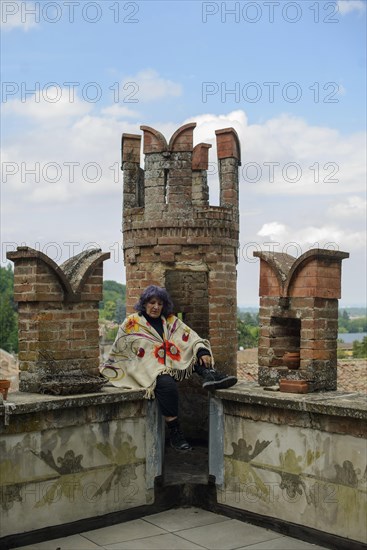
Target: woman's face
<point x="154" y="307"/>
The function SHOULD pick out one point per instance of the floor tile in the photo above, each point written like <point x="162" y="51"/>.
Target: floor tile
<point x="121" y="532"/>
<point x="227" y="535"/>
<point x="283" y="543"/>
<point x="74" y="542"/>
<point x="184" y="518"/>
<point x="160" y="542"/>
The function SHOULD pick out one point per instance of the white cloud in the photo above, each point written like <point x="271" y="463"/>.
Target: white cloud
<point x="18" y="15"/>
<point x="206" y="124"/>
<point x="287" y="156"/>
<point x="65" y="158"/>
<point x="87" y="206"/>
<point x="330" y="236"/>
<point x="273" y="230"/>
<point x="353" y="207"/>
<point x="74" y="132"/>
<point x="148" y="85"/>
<point x="347" y="6"/>
<point x="118" y="111"/>
<point x="51" y="104"/>
<point x="50" y="193"/>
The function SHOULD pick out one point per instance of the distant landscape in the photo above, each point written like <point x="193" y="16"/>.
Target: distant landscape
<point x="352" y="321"/>
<point x="112" y="311"/>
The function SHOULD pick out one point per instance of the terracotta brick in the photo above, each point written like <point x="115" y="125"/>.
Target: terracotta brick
<point x="293" y="386"/>
<point x="315" y="354"/>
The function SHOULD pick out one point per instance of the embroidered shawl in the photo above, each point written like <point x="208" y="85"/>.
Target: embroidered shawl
<point x="139" y="354"/>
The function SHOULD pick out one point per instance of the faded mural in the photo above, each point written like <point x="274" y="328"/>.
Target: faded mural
<point x="298" y="475"/>
<point x="66" y="474"/>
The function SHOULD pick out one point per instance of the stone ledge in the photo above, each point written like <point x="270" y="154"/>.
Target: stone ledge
<point x="331" y="403"/>
<point x="35" y="402"/>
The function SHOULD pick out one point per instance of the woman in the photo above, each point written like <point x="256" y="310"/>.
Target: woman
<point x="153" y="350"/>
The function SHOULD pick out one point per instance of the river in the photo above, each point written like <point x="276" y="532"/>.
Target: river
<point x="349" y="337"/>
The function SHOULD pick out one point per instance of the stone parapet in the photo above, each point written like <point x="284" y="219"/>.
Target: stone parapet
<point x="334" y="404"/>
<point x="297" y="461"/>
<point x="66" y="460"/>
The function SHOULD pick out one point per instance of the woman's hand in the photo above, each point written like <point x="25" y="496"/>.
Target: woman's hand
<point x="206" y="361"/>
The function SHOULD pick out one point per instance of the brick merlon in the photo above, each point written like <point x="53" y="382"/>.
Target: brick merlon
<point x="28" y="253"/>
<point x="154" y="141"/>
<point x="183" y="139"/>
<point x="286" y="267"/>
<point x="78" y="268"/>
<point x="130" y="148"/>
<point x="228" y="144"/>
<point x="72" y="274"/>
<point x="332" y="256"/>
<point x="200" y="156"/>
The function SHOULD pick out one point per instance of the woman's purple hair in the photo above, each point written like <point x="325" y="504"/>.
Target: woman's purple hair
<point x="153" y="291"/>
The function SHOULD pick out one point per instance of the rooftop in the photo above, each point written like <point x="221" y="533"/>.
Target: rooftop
<point x="178" y="528"/>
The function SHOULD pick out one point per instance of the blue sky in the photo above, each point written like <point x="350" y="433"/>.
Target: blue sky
<point x="289" y="76"/>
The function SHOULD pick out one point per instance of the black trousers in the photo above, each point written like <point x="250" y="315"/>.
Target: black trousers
<point x="166" y="392"/>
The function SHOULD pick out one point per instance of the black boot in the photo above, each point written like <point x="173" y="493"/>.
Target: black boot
<point x="177" y="439"/>
<point x="214" y="380"/>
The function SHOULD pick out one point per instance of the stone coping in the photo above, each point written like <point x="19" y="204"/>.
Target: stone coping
<point x="36" y="402"/>
<point x="332" y="403"/>
<point x="335" y="403"/>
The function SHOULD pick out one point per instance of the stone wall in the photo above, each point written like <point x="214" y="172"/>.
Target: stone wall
<point x="291" y="459"/>
<point x="65" y="459"/>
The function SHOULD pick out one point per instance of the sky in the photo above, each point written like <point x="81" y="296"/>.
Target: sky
<point x="290" y="77"/>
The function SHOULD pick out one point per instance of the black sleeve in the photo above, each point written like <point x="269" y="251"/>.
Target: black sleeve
<point x="201" y="352"/>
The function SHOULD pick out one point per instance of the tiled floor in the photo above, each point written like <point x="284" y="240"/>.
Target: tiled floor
<point x="178" y="529"/>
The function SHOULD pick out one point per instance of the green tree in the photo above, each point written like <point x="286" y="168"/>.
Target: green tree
<point x="360" y="348"/>
<point x="111" y="334"/>
<point x="120" y="311"/>
<point x="110" y="310"/>
<point x="8" y="314"/>
<point x="346" y="324"/>
<point x="358" y="325"/>
<point x="345" y="315"/>
<point x="249" y="319"/>
<point x="112" y="307"/>
<point x="248" y="334"/>
<point x="343" y="321"/>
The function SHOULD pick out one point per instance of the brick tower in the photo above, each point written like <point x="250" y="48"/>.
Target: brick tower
<point x="172" y="237"/>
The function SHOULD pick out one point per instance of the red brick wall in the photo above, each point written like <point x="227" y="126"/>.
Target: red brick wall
<point x="58" y="327"/>
<point x="300" y="315"/>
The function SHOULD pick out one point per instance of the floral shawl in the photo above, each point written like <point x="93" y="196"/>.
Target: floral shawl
<point x="139" y="354"/>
